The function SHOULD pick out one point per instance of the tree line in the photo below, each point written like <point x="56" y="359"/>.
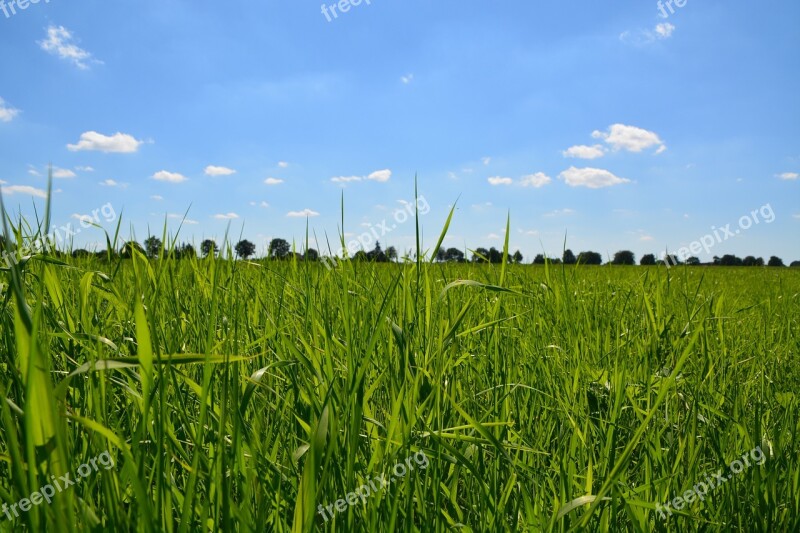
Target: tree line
<point x="281" y="249"/>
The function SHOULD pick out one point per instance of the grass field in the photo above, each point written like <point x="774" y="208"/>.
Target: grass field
<point x="248" y="396"/>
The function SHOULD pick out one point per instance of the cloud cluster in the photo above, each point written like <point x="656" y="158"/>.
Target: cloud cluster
<point x="302" y="214"/>
<point x="121" y="143"/>
<point x="592" y="178"/>
<point x="60" y="42"/>
<point x="170" y="177"/>
<point x="381" y="176"/>
<point x="537" y="180"/>
<point x="630" y="138"/>
<point x="7" y="113"/>
<point x="212" y="170"/>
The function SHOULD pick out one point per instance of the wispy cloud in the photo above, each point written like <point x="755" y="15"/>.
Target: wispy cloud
<point x="380" y="175"/>
<point x="592" y="178"/>
<point x="273" y="181"/>
<point x="113" y="183"/>
<point x="540" y="179"/>
<point x="117" y="143"/>
<point x="212" y="170"/>
<point x="226" y="216"/>
<point x="302" y="214"/>
<point x="283" y="164"/>
<point x="585" y="152"/>
<point x="63" y="173"/>
<point x="84" y="169"/>
<point x="789" y="176"/>
<point x="630" y="138"/>
<point x="408" y="78"/>
<point x="7" y="113"/>
<point x="171" y="177"/>
<point x="641" y="37"/>
<point x="157" y="197"/>
<point x="24" y="189"/>
<point x="60" y="42"/>
<point x="499" y="180"/>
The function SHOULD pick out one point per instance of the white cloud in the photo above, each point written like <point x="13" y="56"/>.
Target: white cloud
<point x="7" y="113"/>
<point x="593" y="178"/>
<point x="345" y="179"/>
<point x="789" y="176"/>
<point x="212" y="170"/>
<point x="273" y="181"/>
<point x="408" y="78"/>
<point x="24" y="189"/>
<point x="664" y="30"/>
<point x="540" y="179"/>
<point x="630" y="138"/>
<point x="32" y="171"/>
<point x="113" y="183"/>
<point x="3" y="182"/>
<point x="60" y="42"/>
<point x="62" y="173"/>
<point x="226" y="216"/>
<point x="559" y="212"/>
<point x="641" y="37"/>
<point x="486" y="160"/>
<point x="584" y="152"/>
<point x="121" y="143"/>
<point x="796" y="215"/>
<point x="283" y="164"/>
<point x="264" y="205"/>
<point x="171" y="177"/>
<point x="493" y="237"/>
<point x="498" y="180"/>
<point x="157" y="197"/>
<point x="178" y="216"/>
<point x="84" y="169"/>
<point x="380" y="175"/>
<point x="304" y="213"/>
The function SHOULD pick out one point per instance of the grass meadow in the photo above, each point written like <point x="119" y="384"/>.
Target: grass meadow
<point x="248" y="395"/>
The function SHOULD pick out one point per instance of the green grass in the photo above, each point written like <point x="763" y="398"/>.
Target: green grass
<point x="238" y="396"/>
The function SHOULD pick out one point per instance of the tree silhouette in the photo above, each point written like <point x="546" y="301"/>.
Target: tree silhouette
<point x="245" y="249"/>
<point x="153" y="247"/>
<point x="539" y="259"/>
<point x="624" y="257"/>
<point x="311" y="255"/>
<point x="495" y="256"/>
<point x="279" y="249"/>
<point x="481" y="255"/>
<point x="590" y="258"/>
<point x="209" y="247"/>
<point x="391" y="253"/>
<point x="648" y="260"/>
<point x="693" y="261"/>
<point x="775" y="261"/>
<point x="568" y="257"/>
<point x="454" y="255"/>
<point x="126" y="252"/>
<point x="517" y="257"/>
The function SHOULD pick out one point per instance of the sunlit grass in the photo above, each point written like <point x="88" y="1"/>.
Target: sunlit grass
<point x="239" y="396"/>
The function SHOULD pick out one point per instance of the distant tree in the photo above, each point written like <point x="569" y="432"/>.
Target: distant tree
<point x="391" y="253"/>
<point x="440" y="254"/>
<point x="81" y="253"/>
<point x="648" y="260"/>
<point x="730" y="260"/>
<point x="569" y="258"/>
<point x="495" y="255"/>
<point x="209" y="247"/>
<point x="481" y="255"/>
<point x="245" y="249"/>
<point x="517" y="257"/>
<point x="360" y="256"/>
<point x="153" y="247"/>
<point x="311" y="255"/>
<point x="750" y="261"/>
<point x="624" y="257"/>
<point x="775" y="261"/>
<point x="693" y="261"/>
<point x="454" y="255"/>
<point x="186" y="251"/>
<point x="590" y="258"/>
<point x="539" y="259"/>
<point x="376" y="254"/>
<point x="127" y="249"/>
<point x="794" y="264"/>
<point x="555" y="261"/>
<point x="279" y="249"/>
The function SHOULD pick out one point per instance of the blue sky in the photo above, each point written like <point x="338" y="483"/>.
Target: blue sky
<point x="602" y="121"/>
